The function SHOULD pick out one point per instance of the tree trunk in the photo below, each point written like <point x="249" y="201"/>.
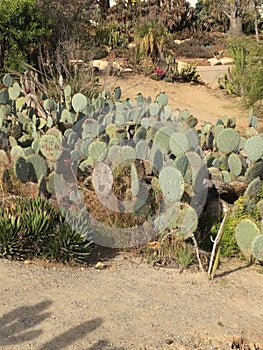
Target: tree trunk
<point x="2" y="53"/>
<point x="104" y="8"/>
<point x="255" y="19"/>
<point x="235" y="26"/>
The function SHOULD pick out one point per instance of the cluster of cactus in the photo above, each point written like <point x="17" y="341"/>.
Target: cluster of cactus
<point x="231" y="157"/>
<point x="59" y="144"/>
<point x="160" y="148"/>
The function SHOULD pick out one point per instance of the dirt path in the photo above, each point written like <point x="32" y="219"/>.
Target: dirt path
<point x="204" y="103"/>
<point x="130" y="305"/>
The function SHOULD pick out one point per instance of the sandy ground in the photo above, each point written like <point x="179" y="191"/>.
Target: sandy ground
<point x="129" y="305"/>
<point x="204" y="103"/>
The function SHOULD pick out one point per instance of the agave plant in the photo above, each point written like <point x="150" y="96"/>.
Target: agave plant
<point x="10" y="237"/>
<point x="67" y="245"/>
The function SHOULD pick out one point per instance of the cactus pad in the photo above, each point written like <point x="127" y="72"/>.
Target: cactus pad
<point x="253" y="188"/>
<point x="97" y="150"/>
<point x="234" y="164"/>
<point x="254" y="171"/>
<point x="257" y="247"/>
<point x="171" y="183"/>
<point x="227" y="140"/>
<point x="79" y="102"/>
<point x="37" y="167"/>
<point x="245" y="232"/>
<point x="254" y="148"/>
<point x="178" y="143"/>
<point x="21" y="169"/>
<point x="49" y="146"/>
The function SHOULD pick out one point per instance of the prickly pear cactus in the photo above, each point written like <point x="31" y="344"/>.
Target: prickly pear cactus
<point x="37" y="167"/>
<point x="172" y="184"/>
<point x="254" y="148"/>
<point x="235" y="164"/>
<point x="97" y="151"/>
<point x="79" y="102"/>
<point x="21" y="169"/>
<point x="179" y="143"/>
<point x="245" y="232"/>
<point x="227" y="140"/>
<point x="49" y="146"/>
<point x="257" y="248"/>
<point x="253" y="188"/>
<point x="254" y="171"/>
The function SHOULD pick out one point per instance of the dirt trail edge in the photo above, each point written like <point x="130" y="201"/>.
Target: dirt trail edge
<point x="204" y="103"/>
<point x="130" y="305"/>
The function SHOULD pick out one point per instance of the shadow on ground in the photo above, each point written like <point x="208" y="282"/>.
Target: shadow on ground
<point x="16" y="327"/>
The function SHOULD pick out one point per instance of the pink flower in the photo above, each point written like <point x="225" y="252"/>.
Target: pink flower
<point x="159" y="71"/>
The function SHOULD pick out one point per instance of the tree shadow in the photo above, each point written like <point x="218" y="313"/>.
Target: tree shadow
<point x="226" y="273"/>
<point x="15" y="326"/>
<point x="72" y="335"/>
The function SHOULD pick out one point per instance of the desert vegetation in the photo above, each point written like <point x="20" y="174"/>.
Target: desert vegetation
<point x="82" y="167"/>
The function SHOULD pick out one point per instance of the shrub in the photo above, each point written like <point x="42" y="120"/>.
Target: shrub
<point x="246" y="78"/>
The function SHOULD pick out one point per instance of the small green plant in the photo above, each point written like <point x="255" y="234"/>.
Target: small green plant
<point x="185" y="256"/>
<point x="189" y="74"/>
